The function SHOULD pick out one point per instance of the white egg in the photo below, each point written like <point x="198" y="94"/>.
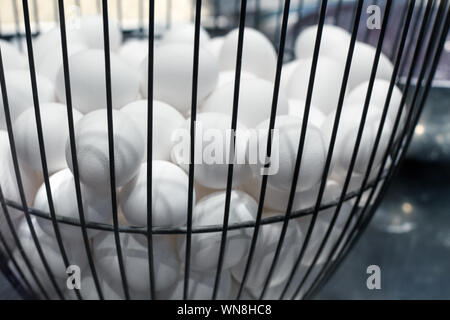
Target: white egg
<point x="10" y="189"/>
<point x="229" y="76"/>
<point x="48" y="45"/>
<point x="205" y="247"/>
<point x="212" y="139"/>
<point x="91" y="31"/>
<point x="184" y="33"/>
<point x="12" y="58"/>
<point x="55" y="130"/>
<point x="258" y="54"/>
<point x="62" y="184"/>
<point x="88" y="83"/>
<point x="349" y="123"/>
<point x="333" y="38"/>
<point x="135" y="259"/>
<point x="91" y="136"/>
<point x="297" y="109"/>
<point x="264" y="253"/>
<point x="166" y="120"/>
<point x="362" y="64"/>
<point x="169" y="196"/>
<point x="49" y="64"/>
<point x="284" y="153"/>
<point x="378" y="98"/>
<point x="75" y="250"/>
<point x="133" y="52"/>
<point x="235" y="286"/>
<point x="276" y="199"/>
<point x="173" y="72"/>
<point x="214" y="45"/>
<point x="20" y="93"/>
<point x="286" y="72"/>
<point x="201" y="287"/>
<point x="111" y="290"/>
<point x="43" y="278"/>
<point x="255" y="101"/>
<point x="327" y="83"/>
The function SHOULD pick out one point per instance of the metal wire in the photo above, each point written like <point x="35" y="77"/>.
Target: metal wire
<point x="411" y="55"/>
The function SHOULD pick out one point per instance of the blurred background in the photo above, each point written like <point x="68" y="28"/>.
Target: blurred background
<point x="409" y="236"/>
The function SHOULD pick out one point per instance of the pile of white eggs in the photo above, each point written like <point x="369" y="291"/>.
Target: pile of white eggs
<point x="172" y="94"/>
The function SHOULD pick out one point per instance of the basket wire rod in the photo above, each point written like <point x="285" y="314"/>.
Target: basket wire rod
<point x="8" y="249"/>
<point x="168" y="14"/>
<point x="414" y="34"/>
<point x="288" y="213"/>
<point x="17" y="24"/>
<point x="328" y="160"/>
<point x="391" y="142"/>
<point x="356" y="148"/>
<point x="322" y="15"/>
<point x="23" y="200"/>
<point x="112" y="172"/>
<point x="73" y="148"/>
<point x="405" y="30"/>
<point x="182" y="230"/>
<point x="40" y="137"/>
<point x="36" y="17"/>
<point x="337" y="12"/>
<point x="151" y="28"/>
<point x="234" y="117"/>
<point x="399" y="31"/>
<point x="279" y="17"/>
<point x="268" y="155"/>
<point x="198" y="12"/>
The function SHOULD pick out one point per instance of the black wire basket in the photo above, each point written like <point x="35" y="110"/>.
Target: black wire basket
<point x="411" y="33"/>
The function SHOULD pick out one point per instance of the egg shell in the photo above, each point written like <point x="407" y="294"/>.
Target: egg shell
<point x="258" y="54"/>
<point x="297" y="109"/>
<point x="229" y="76"/>
<point x="378" y="97"/>
<point x="8" y="183"/>
<point x="91" y="30"/>
<point x="88" y="83"/>
<point x="55" y="129"/>
<point x="333" y="37"/>
<point x="286" y="72"/>
<point x="20" y="93"/>
<point x="349" y="123"/>
<point x="48" y="45"/>
<point x="235" y="286"/>
<point x="133" y="52"/>
<point x="205" y="247"/>
<point x="284" y="153"/>
<point x="255" y="101"/>
<point x="362" y="63"/>
<point x="169" y="196"/>
<point x="264" y="253"/>
<point x="211" y="163"/>
<point x="62" y="185"/>
<point x="201" y="287"/>
<point x="91" y="137"/>
<point x="214" y="45"/>
<point x="173" y="72"/>
<point x="327" y="83"/>
<point x="74" y="249"/>
<point x="135" y="259"/>
<point x="12" y="58"/>
<point x="166" y="120"/>
<point x="185" y="33"/>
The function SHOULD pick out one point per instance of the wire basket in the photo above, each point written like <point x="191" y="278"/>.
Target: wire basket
<point x="412" y="33"/>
